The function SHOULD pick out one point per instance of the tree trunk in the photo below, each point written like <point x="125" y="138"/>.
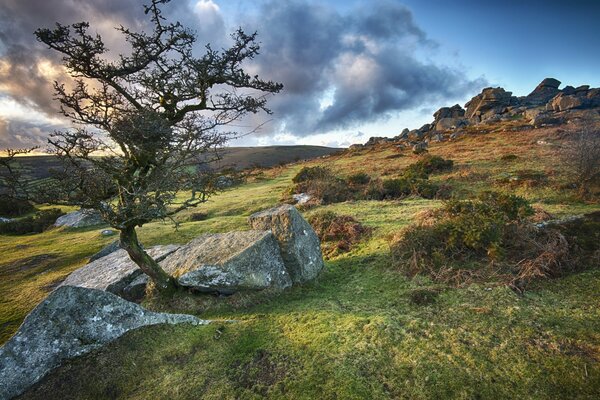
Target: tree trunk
<point x="129" y="242"/>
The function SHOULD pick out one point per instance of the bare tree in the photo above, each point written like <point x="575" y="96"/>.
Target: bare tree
<point x="142" y="120"/>
<point x="582" y="157"/>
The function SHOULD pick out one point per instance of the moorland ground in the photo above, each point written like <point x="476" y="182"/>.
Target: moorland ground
<point x="363" y="329"/>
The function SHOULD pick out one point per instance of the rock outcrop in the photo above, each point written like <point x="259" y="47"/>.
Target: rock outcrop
<point x="229" y="262"/>
<point x="544" y="92"/>
<point x="80" y="219"/>
<point x="113" y="272"/>
<point x="71" y="321"/>
<point x="299" y="244"/>
<point x="489" y="103"/>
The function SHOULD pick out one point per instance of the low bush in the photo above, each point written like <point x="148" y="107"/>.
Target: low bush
<point x="326" y="188"/>
<point x="359" y="178"/>
<point x="338" y="233"/>
<point x="509" y="157"/>
<point x="428" y="165"/>
<point x="11" y="207"/>
<point x="37" y="223"/>
<point x="312" y="173"/>
<point x="480" y="238"/>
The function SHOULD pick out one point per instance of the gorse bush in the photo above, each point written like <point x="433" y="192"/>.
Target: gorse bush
<point x="456" y="242"/>
<point x="338" y="233"/>
<point x="312" y="173"/>
<point x="37" y="223"/>
<point x="358" y="179"/>
<point x="428" y="165"/>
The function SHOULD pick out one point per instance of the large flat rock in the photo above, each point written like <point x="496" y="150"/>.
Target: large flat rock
<point x="112" y="273"/>
<point x="71" y="321"/>
<point x="229" y="263"/>
<point x="299" y="244"/>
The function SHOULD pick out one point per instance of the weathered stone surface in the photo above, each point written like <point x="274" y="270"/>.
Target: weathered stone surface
<point x="420" y="147"/>
<point x="543" y="93"/>
<point x="456" y="111"/>
<point x="299" y="244"/>
<point x="489" y="101"/>
<point x="112" y="273"/>
<point x="445" y="124"/>
<point x="72" y="321"/>
<point x="545" y="119"/>
<point x="531" y="113"/>
<point x="229" y="263"/>
<point x="567" y="102"/>
<point x="106" y="250"/>
<point x="80" y="219"/>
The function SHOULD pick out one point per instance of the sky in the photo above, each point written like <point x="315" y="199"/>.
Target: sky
<point x="351" y="69"/>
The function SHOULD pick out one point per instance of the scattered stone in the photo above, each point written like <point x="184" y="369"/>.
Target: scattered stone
<point x="229" y="262"/>
<point x="299" y="244"/>
<point x="80" y="219"/>
<point x="72" y="321"/>
<point x="419" y="148"/>
<point x="4" y="220"/>
<point x="108" y="232"/>
<point x="113" y="272"/>
<point x="301" y="198"/>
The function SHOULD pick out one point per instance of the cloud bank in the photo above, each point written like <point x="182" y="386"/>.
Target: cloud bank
<point x="340" y="70"/>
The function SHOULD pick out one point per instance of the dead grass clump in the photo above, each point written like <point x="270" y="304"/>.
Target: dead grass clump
<point x="540" y="215"/>
<point x="338" y="233"/>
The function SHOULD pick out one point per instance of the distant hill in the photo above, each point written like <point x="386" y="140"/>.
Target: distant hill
<point x="39" y="167"/>
<point x="268" y="156"/>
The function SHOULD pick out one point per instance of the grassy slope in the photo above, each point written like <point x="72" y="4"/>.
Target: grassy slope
<point x="355" y="332"/>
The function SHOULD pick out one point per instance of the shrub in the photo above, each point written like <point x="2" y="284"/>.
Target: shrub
<point x="11" y="207"/>
<point x="312" y="173"/>
<point x="459" y="241"/>
<point x="37" y="223"/>
<point x="404" y="186"/>
<point x="321" y="184"/>
<point x="509" y="157"/>
<point x="360" y="178"/>
<point x="339" y="233"/>
<point x="428" y="165"/>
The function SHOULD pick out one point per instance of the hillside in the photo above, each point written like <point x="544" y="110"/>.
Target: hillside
<point x="363" y="329"/>
<point x="40" y="167"/>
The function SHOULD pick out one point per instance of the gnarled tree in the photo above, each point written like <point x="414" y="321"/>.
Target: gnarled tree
<point x="142" y="120"/>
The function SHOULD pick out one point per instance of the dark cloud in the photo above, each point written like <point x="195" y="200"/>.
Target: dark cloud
<point x="340" y="70"/>
<point x="366" y="59"/>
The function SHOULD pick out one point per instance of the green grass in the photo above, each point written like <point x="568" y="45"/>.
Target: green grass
<point x="362" y="330"/>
